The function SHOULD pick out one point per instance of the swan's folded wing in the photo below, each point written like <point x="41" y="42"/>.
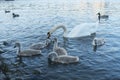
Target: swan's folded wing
<point x="29" y="53"/>
<point x="65" y="59"/>
<point x="83" y="29"/>
<point x="60" y="51"/>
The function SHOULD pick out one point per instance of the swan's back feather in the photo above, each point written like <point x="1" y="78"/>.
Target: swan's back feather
<point x="37" y="46"/>
<point x="83" y="29"/>
<point x="60" y="51"/>
<point x="29" y="52"/>
<point x="65" y="59"/>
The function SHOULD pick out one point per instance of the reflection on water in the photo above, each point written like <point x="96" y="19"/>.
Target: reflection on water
<point x="37" y="17"/>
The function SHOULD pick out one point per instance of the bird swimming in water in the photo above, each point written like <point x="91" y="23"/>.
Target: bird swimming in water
<point x="102" y="17"/>
<point x="7" y="11"/>
<point x="63" y="59"/>
<point x="40" y="45"/>
<point x="98" y="42"/>
<point x="81" y="30"/>
<point x="58" y="50"/>
<point x="15" y="15"/>
<point x="28" y="52"/>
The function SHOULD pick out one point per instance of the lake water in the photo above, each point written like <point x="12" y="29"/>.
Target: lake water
<point x="38" y="16"/>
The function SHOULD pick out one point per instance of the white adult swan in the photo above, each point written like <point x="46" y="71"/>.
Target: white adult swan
<point x="58" y="50"/>
<point x="84" y="29"/>
<point x="98" y="42"/>
<point x="40" y="45"/>
<point x="64" y="59"/>
<point x="28" y="52"/>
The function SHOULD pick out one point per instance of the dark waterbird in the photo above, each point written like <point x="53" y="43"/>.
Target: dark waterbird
<point x="15" y="15"/>
<point x="102" y="16"/>
<point x="7" y="11"/>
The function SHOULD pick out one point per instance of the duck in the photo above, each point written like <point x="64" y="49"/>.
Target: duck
<point x="57" y="49"/>
<point x="98" y="42"/>
<point x="63" y="59"/>
<point x="81" y="30"/>
<point x="8" y="42"/>
<point x="102" y="16"/>
<point x="7" y="11"/>
<point x="15" y="15"/>
<point x="40" y="45"/>
<point x="25" y="53"/>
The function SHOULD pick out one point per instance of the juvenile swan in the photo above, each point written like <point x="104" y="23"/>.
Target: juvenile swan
<point x="40" y="45"/>
<point x="28" y="52"/>
<point x="64" y="59"/>
<point x="58" y="50"/>
<point x="84" y="29"/>
<point x="102" y="16"/>
<point x="98" y="42"/>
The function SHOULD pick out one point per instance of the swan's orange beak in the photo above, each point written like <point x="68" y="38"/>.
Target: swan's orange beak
<point x="48" y="35"/>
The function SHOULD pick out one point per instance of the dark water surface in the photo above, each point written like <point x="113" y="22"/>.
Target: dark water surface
<point x="38" y="16"/>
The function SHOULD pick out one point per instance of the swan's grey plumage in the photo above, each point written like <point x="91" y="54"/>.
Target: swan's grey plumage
<point x="37" y="46"/>
<point x="64" y="59"/>
<point x="28" y="52"/>
<point x="98" y="42"/>
<point x="84" y="29"/>
<point x="58" y="50"/>
<point x="40" y="45"/>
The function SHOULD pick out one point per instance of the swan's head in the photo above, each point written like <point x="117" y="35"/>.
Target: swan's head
<point x="48" y="35"/>
<point x="51" y="57"/>
<point x="17" y="44"/>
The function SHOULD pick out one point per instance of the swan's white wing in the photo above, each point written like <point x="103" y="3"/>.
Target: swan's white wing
<point x="84" y="29"/>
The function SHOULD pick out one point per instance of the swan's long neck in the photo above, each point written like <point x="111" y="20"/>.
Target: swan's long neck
<point x="55" y="45"/>
<point x="58" y="27"/>
<point x="19" y="49"/>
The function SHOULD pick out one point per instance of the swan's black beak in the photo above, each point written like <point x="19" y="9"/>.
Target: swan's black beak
<point x="48" y="35"/>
